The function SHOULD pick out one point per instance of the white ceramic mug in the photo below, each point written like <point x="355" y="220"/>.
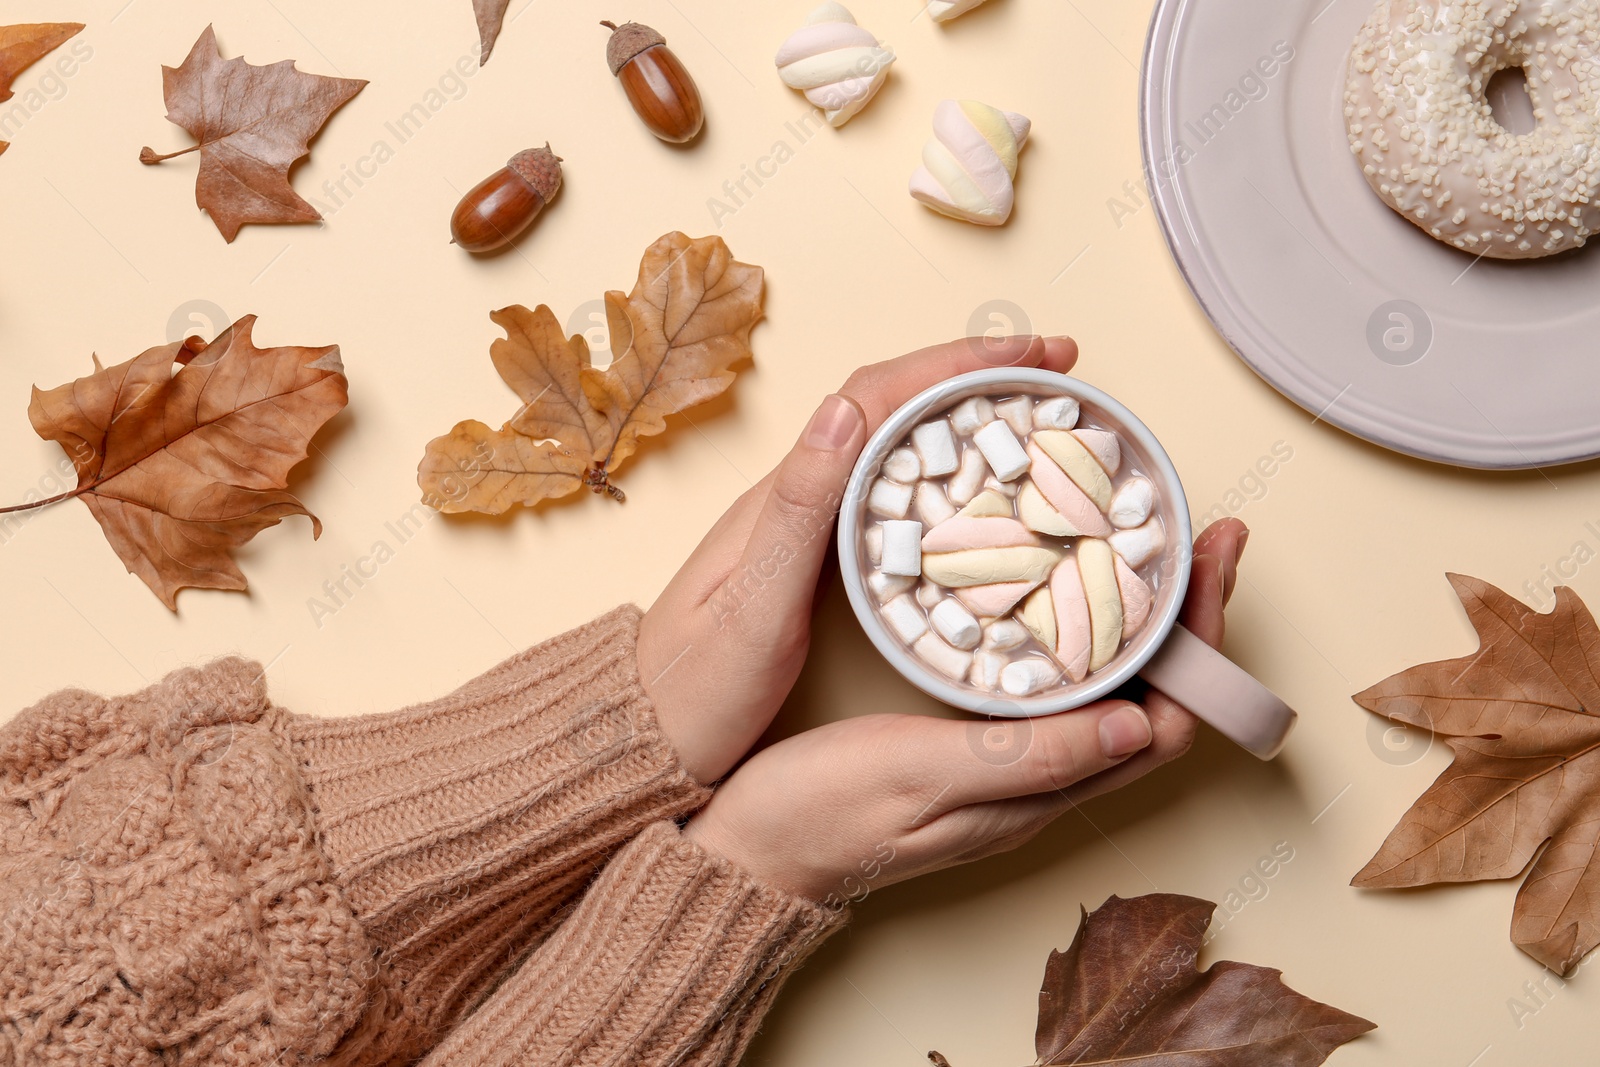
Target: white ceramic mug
<point x="1164" y="654"/>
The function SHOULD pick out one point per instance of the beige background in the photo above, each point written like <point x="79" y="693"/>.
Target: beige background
<point x="1344" y="574"/>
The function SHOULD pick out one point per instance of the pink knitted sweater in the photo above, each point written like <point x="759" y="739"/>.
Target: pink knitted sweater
<point x="191" y="875"/>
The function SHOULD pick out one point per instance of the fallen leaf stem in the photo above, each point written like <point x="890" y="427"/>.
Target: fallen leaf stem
<point x="149" y="156"/>
<point x="68" y="495"/>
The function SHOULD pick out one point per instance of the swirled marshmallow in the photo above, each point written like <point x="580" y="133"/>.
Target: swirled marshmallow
<point x="1098" y="570"/>
<point x="987" y="504"/>
<point x="945" y="10"/>
<point x="837" y="64"/>
<point x="970" y="163"/>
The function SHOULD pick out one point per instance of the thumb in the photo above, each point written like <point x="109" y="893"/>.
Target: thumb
<point x="789" y="540"/>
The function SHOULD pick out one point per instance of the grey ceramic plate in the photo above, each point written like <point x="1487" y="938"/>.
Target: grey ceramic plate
<point x="1343" y="306"/>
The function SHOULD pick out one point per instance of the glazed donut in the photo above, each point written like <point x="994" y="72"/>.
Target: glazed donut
<point x="1421" y="128"/>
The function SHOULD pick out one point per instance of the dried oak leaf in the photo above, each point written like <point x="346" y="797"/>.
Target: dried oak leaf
<point x="23" y="46"/>
<point x="182" y="468"/>
<point x="675" y="340"/>
<point x="1522" y="716"/>
<point x="252" y="124"/>
<point x="1127" y="991"/>
<point x="491" y="14"/>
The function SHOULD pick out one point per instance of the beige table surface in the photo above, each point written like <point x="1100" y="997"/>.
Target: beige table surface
<point x="1345" y="572"/>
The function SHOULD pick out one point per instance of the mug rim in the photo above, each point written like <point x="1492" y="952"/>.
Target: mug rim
<point x="852" y="509"/>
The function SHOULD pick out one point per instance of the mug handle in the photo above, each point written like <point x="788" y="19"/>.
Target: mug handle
<point x="1221" y="692"/>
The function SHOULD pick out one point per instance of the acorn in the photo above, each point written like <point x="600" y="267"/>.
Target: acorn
<point x="658" y="86"/>
<point x="502" y="205"/>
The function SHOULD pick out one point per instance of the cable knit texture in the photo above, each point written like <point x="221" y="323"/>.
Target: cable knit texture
<point x="191" y="875"/>
<point x="162" y="900"/>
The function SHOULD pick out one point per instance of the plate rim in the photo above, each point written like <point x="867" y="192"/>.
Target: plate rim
<point x="1230" y="324"/>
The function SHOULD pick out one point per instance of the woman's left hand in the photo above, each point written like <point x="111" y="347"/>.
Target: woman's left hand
<point x="723" y="644"/>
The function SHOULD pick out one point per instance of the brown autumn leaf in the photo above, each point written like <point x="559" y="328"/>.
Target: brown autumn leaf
<point x="491" y="14"/>
<point x="676" y="338"/>
<point x="1522" y="716"/>
<point x="182" y="468"/>
<point x="23" y="46"/>
<point x="252" y="124"/>
<point x="1127" y="991"/>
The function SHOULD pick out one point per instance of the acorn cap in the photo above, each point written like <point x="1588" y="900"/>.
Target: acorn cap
<point x="627" y="41"/>
<point x="540" y="168"/>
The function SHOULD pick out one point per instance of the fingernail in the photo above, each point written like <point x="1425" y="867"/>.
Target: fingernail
<point x="1005" y="351"/>
<point x="834" y="424"/>
<point x="1238" y="551"/>
<point x="1124" y="732"/>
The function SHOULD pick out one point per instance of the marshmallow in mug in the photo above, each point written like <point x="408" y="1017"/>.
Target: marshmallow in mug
<point x="1005" y="543"/>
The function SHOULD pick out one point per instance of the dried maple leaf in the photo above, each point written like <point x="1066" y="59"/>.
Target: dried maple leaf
<point x="252" y="124"/>
<point x="1522" y="716"/>
<point x="181" y="468"/>
<point x="23" y="46"/>
<point x="491" y="14"/>
<point x="1127" y="991"/>
<point x="676" y="337"/>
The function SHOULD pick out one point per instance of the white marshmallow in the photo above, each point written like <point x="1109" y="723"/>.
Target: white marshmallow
<point x="969" y="479"/>
<point x="1141" y="544"/>
<point x="986" y="668"/>
<point x="936" y="445"/>
<point x="902" y="466"/>
<point x="905" y="618"/>
<point x="971" y="414"/>
<point x="1057" y="413"/>
<point x="950" y="662"/>
<point x="929" y="594"/>
<point x="888" y="586"/>
<point x="1018" y="413"/>
<point x="1008" y="488"/>
<point x="1003" y="451"/>
<point x="933" y="507"/>
<point x="1003" y="634"/>
<point x="874" y="542"/>
<point x="1027" y="676"/>
<point x="902" y="548"/>
<point x="1132" y="503"/>
<point x="956" y="624"/>
<point x="889" y="498"/>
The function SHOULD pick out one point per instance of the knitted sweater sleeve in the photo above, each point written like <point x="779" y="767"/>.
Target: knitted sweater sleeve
<point x="672" y="958"/>
<point x="191" y="875"/>
<point x="459" y="830"/>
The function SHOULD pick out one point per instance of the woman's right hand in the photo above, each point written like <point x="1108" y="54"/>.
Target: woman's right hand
<point x="855" y="805"/>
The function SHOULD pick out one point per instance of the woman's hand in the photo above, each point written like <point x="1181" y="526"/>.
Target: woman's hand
<point x="859" y="804"/>
<point x="723" y="645"/>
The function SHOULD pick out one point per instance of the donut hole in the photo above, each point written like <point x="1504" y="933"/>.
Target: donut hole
<point x="1509" y="102"/>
